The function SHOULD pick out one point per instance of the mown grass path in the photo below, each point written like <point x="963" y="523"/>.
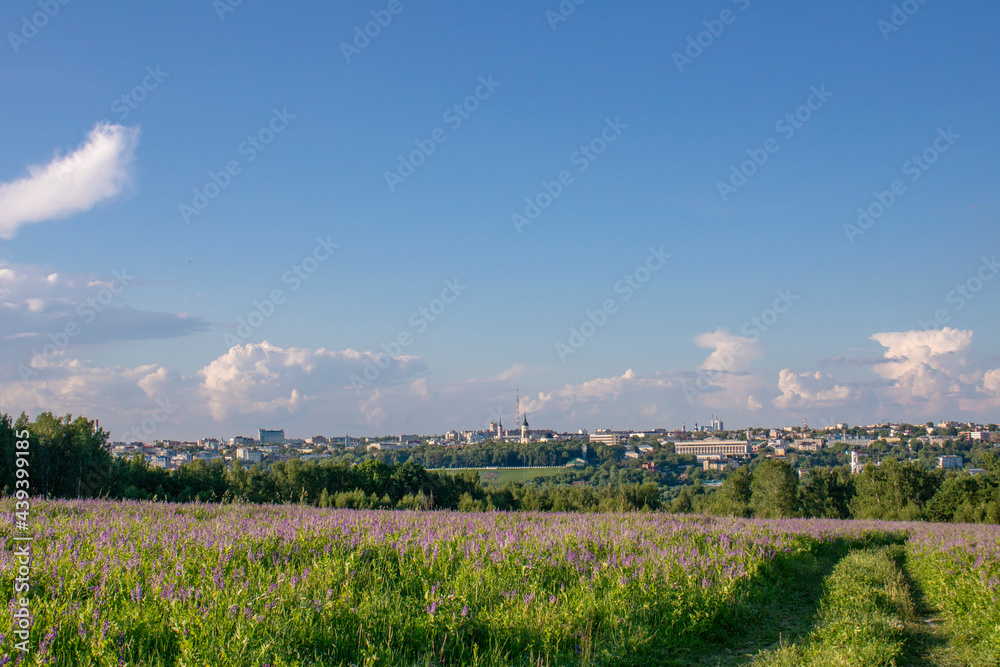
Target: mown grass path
<point x="872" y="612"/>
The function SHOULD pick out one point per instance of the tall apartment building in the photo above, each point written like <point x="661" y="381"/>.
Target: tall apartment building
<point x="271" y="437"/>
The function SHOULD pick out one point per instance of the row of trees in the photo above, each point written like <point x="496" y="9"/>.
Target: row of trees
<point x="890" y="491"/>
<point x="68" y="458"/>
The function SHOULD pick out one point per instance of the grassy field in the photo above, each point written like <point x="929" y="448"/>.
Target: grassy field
<point x="281" y="586"/>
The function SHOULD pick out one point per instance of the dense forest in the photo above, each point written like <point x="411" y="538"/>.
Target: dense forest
<point x="69" y="458"/>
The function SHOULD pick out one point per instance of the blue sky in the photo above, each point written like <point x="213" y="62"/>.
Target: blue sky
<point x="91" y="183"/>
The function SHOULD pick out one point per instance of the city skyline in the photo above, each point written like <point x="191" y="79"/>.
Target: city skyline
<point x="398" y="213"/>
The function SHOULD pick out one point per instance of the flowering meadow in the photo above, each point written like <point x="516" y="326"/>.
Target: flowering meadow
<point x="958" y="569"/>
<point x="130" y="583"/>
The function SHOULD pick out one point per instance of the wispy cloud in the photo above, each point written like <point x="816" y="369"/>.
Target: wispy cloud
<point x="95" y="171"/>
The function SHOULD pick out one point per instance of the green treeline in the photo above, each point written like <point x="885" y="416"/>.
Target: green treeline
<point x="892" y="491"/>
<point x="69" y="458"/>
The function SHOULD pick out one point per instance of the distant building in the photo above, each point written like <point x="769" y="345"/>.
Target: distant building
<point x="807" y="445"/>
<point x="607" y="437"/>
<point x="267" y="437"/>
<point x="707" y="449"/>
<point x="719" y="464"/>
<point x="857" y="465"/>
<point x="949" y="461"/>
<point x="850" y="440"/>
<point x="241" y="440"/>
<point x="249" y="455"/>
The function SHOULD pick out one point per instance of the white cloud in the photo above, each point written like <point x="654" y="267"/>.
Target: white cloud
<point x="991" y="382"/>
<point x="618" y="399"/>
<point x="923" y="365"/>
<point x="66" y="385"/>
<point x="265" y="378"/>
<point x="809" y="390"/>
<point x="95" y="171"/>
<point x="729" y="352"/>
<point x="420" y="389"/>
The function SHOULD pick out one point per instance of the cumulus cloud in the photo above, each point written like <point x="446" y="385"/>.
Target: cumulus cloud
<point x="618" y="398"/>
<point x="923" y="365"/>
<point x="264" y="378"/>
<point x="809" y="390"/>
<point x="991" y="381"/>
<point x="729" y="352"/>
<point x="287" y="386"/>
<point x="95" y="171"/>
<point x="65" y="385"/>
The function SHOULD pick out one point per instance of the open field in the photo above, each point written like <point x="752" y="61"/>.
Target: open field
<point x="166" y="584"/>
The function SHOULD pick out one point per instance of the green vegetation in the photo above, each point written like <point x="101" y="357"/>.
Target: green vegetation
<point x="69" y="458"/>
<point x="502" y="476"/>
<point x="862" y="616"/>
<point x="958" y="572"/>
